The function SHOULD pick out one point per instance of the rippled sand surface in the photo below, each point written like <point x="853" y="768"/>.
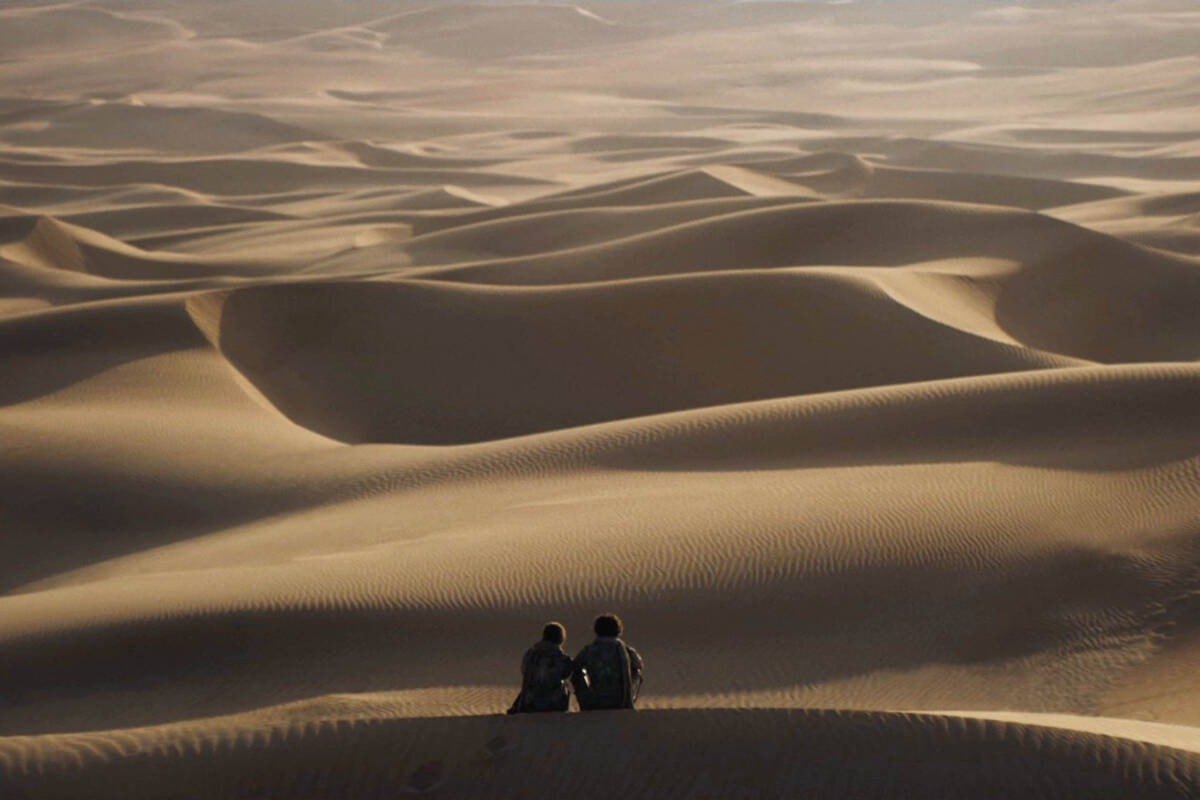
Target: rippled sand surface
<point x="849" y="351"/>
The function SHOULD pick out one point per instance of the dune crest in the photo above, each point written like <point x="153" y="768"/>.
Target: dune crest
<point x="473" y="757"/>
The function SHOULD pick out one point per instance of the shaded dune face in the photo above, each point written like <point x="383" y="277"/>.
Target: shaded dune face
<point x="864" y="233"/>
<point x="680" y="754"/>
<point x="393" y="362"/>
<point x="1057" y="618"/>
<point x="743" y="333"/>
<point x="1038" y="300"/>
<point x="44" y="243"/>
<point x="849" y="351"/>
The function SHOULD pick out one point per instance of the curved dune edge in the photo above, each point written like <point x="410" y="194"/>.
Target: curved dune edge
<point x="1180" y="737"/>
<point x="51" y="244"/>
<point x="338" y="358"/>
<point x="675" y="753"/>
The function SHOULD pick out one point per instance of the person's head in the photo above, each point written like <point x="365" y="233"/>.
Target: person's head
<point x="608" y="625"/>
<point x="554" y="632"/>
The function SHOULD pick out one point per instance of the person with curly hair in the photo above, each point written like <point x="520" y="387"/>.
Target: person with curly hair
<point x="608" y="672"/>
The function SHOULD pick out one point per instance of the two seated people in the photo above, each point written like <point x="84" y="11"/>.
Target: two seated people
<point x="607" y="674"/>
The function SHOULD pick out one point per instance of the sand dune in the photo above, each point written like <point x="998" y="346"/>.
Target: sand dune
<point x="529" y="229"/>
<point x="478" y="31"/>
<point x="848" y="350"/>
<point x="842" y="174"/>
<point x="249" y="176"/>
<point x="524" y="374"/>
<point x="134" y="126"/>
<point x="1035" y="287"/>
<point x="1167" y="222"/>
<point x="130" y="223"/>
<point x="46" y="30"/>
<point x="661" y="192"/>
<point x="49" y="244"/>
<point x="783" y="753"/>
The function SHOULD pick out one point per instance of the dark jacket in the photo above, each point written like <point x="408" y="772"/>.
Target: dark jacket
<point x="545" y="670"/>
<point x="608" y="674"/>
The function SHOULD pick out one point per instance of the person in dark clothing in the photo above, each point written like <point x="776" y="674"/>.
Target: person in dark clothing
<point x="545" y="670"/>
<point x="608" y="672"/>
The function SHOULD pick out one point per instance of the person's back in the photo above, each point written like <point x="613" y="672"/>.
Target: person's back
<point x="608" y="672"/>
<point x="545" y="669"/>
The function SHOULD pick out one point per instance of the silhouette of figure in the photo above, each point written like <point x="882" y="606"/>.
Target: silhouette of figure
<point x="608" y="672"/>
<point x="545" y="670"/>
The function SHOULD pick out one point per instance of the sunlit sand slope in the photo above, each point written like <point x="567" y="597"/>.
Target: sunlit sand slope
<point x="849" y="351"/>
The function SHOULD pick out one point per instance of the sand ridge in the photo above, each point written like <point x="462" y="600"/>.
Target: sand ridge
<point x="847" y="349"/>
<point x="477" y="757"/>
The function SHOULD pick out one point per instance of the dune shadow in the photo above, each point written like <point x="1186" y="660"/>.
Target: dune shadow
<point x="50" y="351"/>
<point x="427" y="363"/>
<point x="696" y="754"/>
<point x="797" y="631"/>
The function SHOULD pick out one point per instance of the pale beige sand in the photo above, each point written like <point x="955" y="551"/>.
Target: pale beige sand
<point x="849" y="351"/>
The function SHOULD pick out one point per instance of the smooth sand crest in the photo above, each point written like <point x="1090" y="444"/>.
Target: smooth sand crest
<point x="848" y="350"/>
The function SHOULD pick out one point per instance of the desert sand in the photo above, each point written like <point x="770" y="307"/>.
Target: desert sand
<point x="847" y="350"/>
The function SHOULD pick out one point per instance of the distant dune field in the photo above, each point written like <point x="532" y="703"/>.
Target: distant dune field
<point x="850" y="351"/>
